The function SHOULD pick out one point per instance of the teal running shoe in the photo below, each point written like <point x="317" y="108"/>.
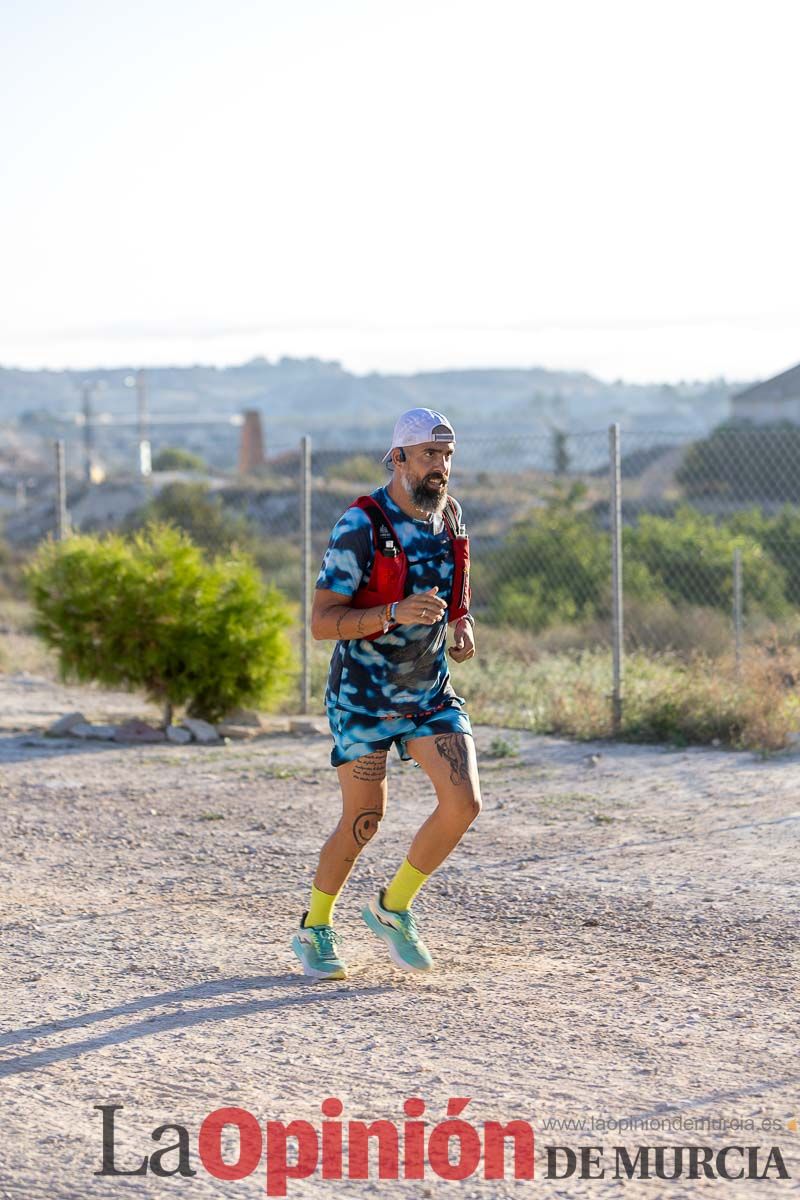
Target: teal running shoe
<point x="318" y="948"/>
<point x="399" y="931"/>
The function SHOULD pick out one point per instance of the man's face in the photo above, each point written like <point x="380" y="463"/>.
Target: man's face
<point x="426" y="472"/>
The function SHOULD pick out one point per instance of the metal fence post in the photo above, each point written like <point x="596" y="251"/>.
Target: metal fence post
<point x="737" y="606"/>
<point x="616" y="576"/>
<point x="62" y="516"/>
<point x="305" y="568"/>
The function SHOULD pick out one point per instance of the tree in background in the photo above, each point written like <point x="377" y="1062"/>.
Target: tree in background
<point x="173" y="458"/>
<point x="553" y="568"/>
<point x="363" y="469"/>
<point x="690" y="559"/>
<point x="216" y="529"/>
<point x="779" y="536"/>
<point x="152" y="613"/>
<point x="561" y="460"/>
<point x="202" y="516"/>
<point x="744" y="462"/>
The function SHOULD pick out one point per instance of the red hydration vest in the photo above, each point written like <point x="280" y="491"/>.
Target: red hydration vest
<point x="387" y="581"/>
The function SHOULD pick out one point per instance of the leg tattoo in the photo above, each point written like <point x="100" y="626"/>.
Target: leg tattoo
<point x="365" y="826"/>
<point x="453" y="749"/>
<point x="371" y="768"/>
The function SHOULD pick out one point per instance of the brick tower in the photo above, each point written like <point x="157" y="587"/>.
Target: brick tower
<point x="251" y="446"/>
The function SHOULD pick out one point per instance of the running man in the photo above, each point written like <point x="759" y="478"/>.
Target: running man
<point x="394" y="576"/>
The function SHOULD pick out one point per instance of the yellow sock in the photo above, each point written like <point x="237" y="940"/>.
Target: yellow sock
<point x="320" y="910"/>
<point x="404" y="887"/>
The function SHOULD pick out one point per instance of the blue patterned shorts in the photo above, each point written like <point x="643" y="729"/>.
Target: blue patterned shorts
<point x="355" y="734"/>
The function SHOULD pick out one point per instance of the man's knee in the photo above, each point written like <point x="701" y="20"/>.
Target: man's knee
<point x="472" y="806"/>
<point x="354" y="833"/>
<point x="463" y="804"/>
<point x="365" y="826"/>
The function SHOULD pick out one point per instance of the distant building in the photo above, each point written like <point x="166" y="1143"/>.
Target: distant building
<point x="251" y="446"/>
<point x="776" y="399"/>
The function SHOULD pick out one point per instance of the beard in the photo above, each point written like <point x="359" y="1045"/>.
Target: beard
<point x="427" y="493"/>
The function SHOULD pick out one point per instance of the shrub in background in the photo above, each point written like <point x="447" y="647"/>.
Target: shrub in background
<point x="152" y="613"/>
<point x="364" y="469"/>
<point x="555" y="569"/>
<point x="175" y="458"/>
<point x="217" y="529"/>
<point x="691" y="558"/>
<point x="201" y="515"/>
<point x="780" y="537"/>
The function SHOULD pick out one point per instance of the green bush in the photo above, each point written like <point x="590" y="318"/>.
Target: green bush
<point x="152" y="613"/>
<point x="218" y="530"/>
<point x="201" y="515"/>
<point x="173" y="458"/>
<point x="362" y="469"/>
<point x="554" y="568"/>
<point x="690" y="558"/>
<point x="780" y="538"/>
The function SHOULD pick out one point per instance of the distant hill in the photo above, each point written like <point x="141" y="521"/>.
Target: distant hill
<point x="338" y="408"/>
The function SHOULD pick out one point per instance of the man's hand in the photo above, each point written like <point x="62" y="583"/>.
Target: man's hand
<point x="421" y="608"/>
<point x="463" y="646"/>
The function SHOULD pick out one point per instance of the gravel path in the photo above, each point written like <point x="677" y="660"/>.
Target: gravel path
<point x="616" y="937"/>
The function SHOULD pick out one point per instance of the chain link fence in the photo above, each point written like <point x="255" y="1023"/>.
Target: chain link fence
<point x="707" y="542"/>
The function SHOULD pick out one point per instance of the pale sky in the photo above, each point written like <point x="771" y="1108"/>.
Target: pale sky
<point x="611" y="185"/>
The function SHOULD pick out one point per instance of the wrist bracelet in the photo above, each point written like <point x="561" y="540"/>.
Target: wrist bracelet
<point x="393" y="612"/>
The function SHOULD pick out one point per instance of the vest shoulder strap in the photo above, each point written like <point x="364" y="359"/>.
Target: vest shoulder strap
<point x="383" y="534"/>
<point x="450" y="515"/>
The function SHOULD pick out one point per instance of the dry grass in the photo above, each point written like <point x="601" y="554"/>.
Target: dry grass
<point x="549" y="685"/>
<point x="667" y="697"/>
<point x="20" y="650"/>
<point x="656" y="628"/>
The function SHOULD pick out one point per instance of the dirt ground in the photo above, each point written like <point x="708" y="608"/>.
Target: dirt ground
<point x="616" y="938"/>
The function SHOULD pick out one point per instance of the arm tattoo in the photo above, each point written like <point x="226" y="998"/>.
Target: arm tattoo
<point x="371" y="767"/>
<point x="453" y="749"/>
<point x="339" y="620"/>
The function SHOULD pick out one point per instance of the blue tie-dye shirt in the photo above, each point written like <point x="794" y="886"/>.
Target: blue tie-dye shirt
<point x="404" y="671"/>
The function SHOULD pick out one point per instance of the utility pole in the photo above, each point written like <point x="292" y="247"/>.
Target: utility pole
<point x="145" y="462"/>
<point x="88" y="430"/>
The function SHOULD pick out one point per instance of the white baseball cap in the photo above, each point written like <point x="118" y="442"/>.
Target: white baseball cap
<point x="416" y="426"/>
